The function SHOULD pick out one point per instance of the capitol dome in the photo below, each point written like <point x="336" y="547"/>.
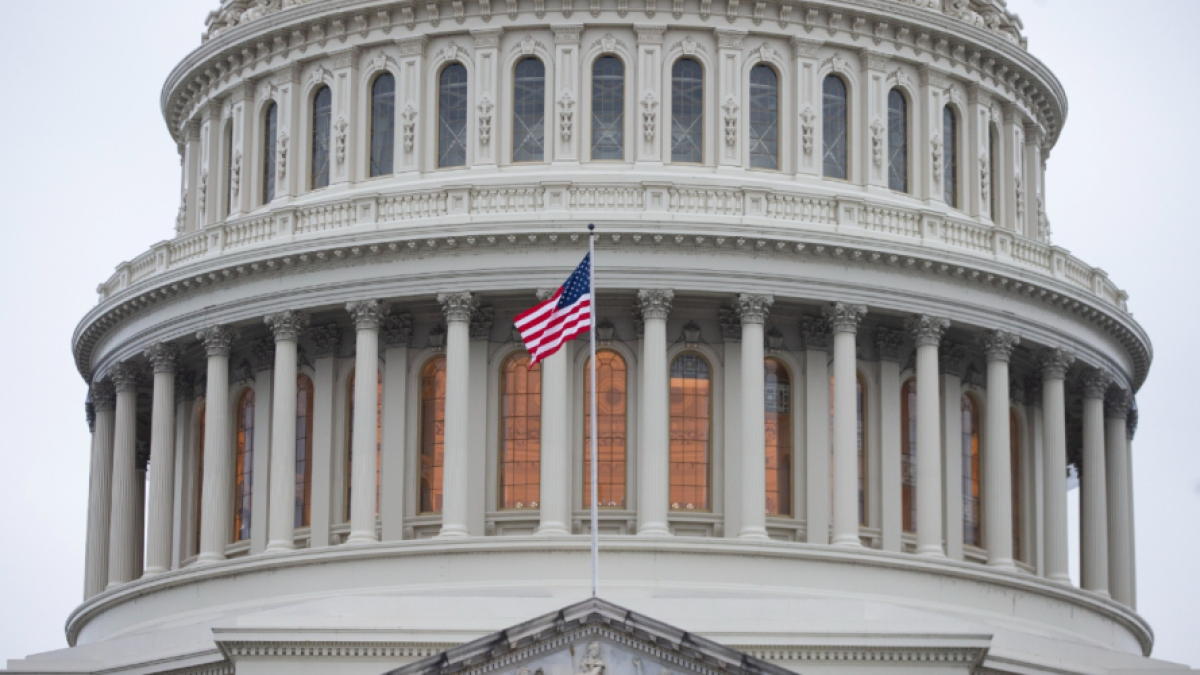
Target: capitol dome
<point x="844" y="374"/>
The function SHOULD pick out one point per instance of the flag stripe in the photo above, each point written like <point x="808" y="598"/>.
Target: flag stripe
<point x="547" y="325"/>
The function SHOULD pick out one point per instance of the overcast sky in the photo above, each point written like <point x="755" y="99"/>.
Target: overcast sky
<point x="91" y="178"/>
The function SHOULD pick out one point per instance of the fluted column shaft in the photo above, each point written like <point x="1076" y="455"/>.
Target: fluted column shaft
<point x="364" y="466"/>
<point x="281" y="528"/>
<point x="555" y="450"/>
<point x="216" y="500"/>
<point x="164" y="358"/>
<point x="752" y="309"/>
<point x="654" y="477"/>
<point x="927" y="332"/>
<point x="997" y="447"/>
<point x="843" y="323"/>
<point x="458" y="308"/>
<point x="1093" y="484"/>
<point x="1120" y="502"/>
<point x="122" y="538"/>
<point x="99" y="491"/>
<point x="1054" y="364"/>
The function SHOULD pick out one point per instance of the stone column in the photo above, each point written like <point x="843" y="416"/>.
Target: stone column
<point x="887" y="346"/>
<point x="216" y="499"/>
<point x="186" y="221"/>
<point x="952" y="359"/>
<point x="141" y="464"/>
<point x="208" y="190"/>
<point x="458" y="307"/>
<point x="286" y="327"/>
<point x="1131" y="423"/>
<point x="843" y="321"/>
<point x="1093" y="479"/>
<point x="1120" y="537"/>
<point x="262" y="353"/>
<point x="363" y="465"/>
<point x="122" y="538"/>
<point x="1031" y="188"/>
<point x="1012" y="154"/>
<point x="976" y="159"/>
<point x="927" y="332"/>
<point x="815" y="332"/>
<point x="752" y="310"/>
<point x="164" y="357"/>
<point x="997" y="448"/>
<point x="1054" y="364"/>
<point x="104" y="399"/>
<point x="345" y="159"/>
<point x="397" y="333"/>
<point x="325" y="342"/>
<point x="240" y="190"/>
<point x="555" y="501"/>
<point x="185" y="442"/>
<point x="731" y="128"/>
<point x="654" y="460"/>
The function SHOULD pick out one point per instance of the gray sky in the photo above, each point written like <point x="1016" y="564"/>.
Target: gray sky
<point x="91" y="179"/>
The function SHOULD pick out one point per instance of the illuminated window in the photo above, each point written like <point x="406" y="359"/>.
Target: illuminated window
<point x="304" y="438"/>
<point x="691" y="432"/>
<point x="452" y="116"/>
<point x="908" y="454"/>
<point x="383" y="124"/>
<point x="897" y="141"/>
<point x="764" y="117"/>
<point x="433" y="433"/>
<point x="836" y="125"/>
<point x="243" y="491"/>
<point x="687" y="112"/>
<point x="950" y="166"/>
<point x="778" y="392"/>
<point x="529" y="111"/>
<point x="270" y="132"/>
<point x="608" y="108"/>
<point x="972" y="520"/>
<point x="612" y="407"/>
<point x="1014" y="442"/>
<point x="322" y="112"/>
<point x="350" y="438"/>
<point x="521" y="433"/>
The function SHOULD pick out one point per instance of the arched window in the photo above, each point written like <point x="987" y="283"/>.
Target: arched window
<point x="350" y="438"/>
<point x="521" y="429"/>
<point x="950" y="163"/>
<point x="764" y="117"/>
<point x="612" y="406"/>
<point x="608" y="108"/>
<point x="200" y="419"/>
<point x="433" y="433"/>
<point x="270" y="133"/>
<point x="687" y="111"/>
<point x="243" y="491"/>
<point x="304" y="446"/>
<point x="322" y="113"/>
<point x="778" y="392"/>
<point x="897" y="141"/>
<point x="228" y="148"/>
<point x="691" y="432"/>
<point x="452" y="116"/>
<point x="836" y="123"/>
<point x="860" y="442"/>
<point x="529" y="111"/>
<point x="972" y="512"/>
<point x="908" y="454"/>
<point x="383" y="125"/>
<point x="1014" y="443"/>
<point x="994" y="158"/>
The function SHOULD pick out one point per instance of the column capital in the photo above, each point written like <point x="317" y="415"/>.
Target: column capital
<point x="163" y="357"/>
<point x="655" y="303"/>
<point x="397" y="329"/>
<point x="844" y="317"/>
<point x="650" y="33"/>
<point x="544" y="294"/>
<point x="125" y="376"/>
<point x="814" y="331"/>
<point x="218" y="340"/>
<point x="753" y="309"/>
<point x="1117" y="403"/>
<point x="263" y="351"/>
<point x="104" y="396"/>
<point x="927" y="330"/>
<point x="287" y="325"/>
<point x="952" y="358"/>
<point x="999" y="344"/>
<point x="367" y="314"/>
<point x="1094" y="382"/>
<point x="888" y="343"/>
<point x="413" y="46"/>
<point x="1054" y="362"/>
<point x="458" y="307"/>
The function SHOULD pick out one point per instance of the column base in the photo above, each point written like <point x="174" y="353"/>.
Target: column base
<point x="1101" y="593"/>
<point x="281" y="546"/>
<point x="931" y="552"/>
<point x="552" y="530"/>
<point x="757" y="533"/>
<point x="209" y="558"/>
<point x="1060" y="579"/>
<point x="653" y="530"/>
<point x="153" y="572"/>
<point x="361" y="538"/>
<point x="1007" y="564"/>
<point x="848" y="540"/>
<point x="453" y="532"/>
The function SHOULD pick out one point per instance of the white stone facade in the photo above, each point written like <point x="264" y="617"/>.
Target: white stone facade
<point x="872" y="562"/>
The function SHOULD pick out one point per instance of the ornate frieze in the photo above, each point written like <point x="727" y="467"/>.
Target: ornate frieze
<point x="481" y="323"/>
<point x="814" y="332"/>
<point x="952" y="358"/>
<point x="218" y="340"/>
<point x="844" y="317"/>
<point x="999" y="344"/>
<point x="287" y="325"/>
<point x="730" y="323"/>
<point x="458" y="307"/>
<point x="263" y="353"/>
<point x="163" y="357"/>
<point x="927" y="330"/>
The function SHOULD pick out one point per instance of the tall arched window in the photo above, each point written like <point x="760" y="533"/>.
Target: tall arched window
<point x="764" y="117"/>
<point x="383" y="125"/>
<point x="228" y="148"/>
<point x="691" y="432"/>
<point x="836" y="124"/>
<point x="529" y="110"/>
<point x="950" y="163"/>
<point x="1014" y="449"/>
<point x="994" y="158"/>
<point x="350" y="438"/>
<point x="200" y="418"/>
<point x="270" y="134"/>
<point x="897" y="141"/>
<point x="908" y="455"/>
<point x="971" y="488"/>
<point x="243" y="490"/>
<point x="860" y="442"/>
<point x="608" y="108"/>
<point x="304" y="439"/>
<point x="778" y="392"/>
<point x="322" y="113"/>
<point x="612" y="407"/>
<point x="452" y="116"/>
<point x="521" y="429"/>
<point x="687" y="111"/>
<point x="433" y="433"/>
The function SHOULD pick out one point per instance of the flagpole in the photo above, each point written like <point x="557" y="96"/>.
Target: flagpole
<point x="595" y="453"/>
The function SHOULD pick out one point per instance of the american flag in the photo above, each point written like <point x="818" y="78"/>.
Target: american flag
<point x="547" y="325"/>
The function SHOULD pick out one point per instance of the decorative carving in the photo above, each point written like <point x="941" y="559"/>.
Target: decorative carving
<point x="452" y="52"/>
<point x="888" y="344"/>
<point x="125" y="376"/>
<point x="283" y="156"/>
<point x="263" y="352"/>
<point x="366" y="314"/>
<point x="218" y="340"/>
<point x="181" y="216"/>
<point x="763" y="52"/>
<point x="938" y="150"/>
<point x="1093" y="381"/>
<point x="985" y="178"/>
<point x="325" y="339"/>
<point x="410" y="127"/>
<point x="836" y="64"/>
<point x="163" y="357"/>
<point x="973" y="378"/>
<point x="814" y="332"/>
<point x="1054" y="362"/>
<point x="877" y="138"/>
<point x="999" y="344"/>
<point x="843" y="317"/>
<point x="485" y="120"/>
<point x="203" y="200"/>
<point x="481" y="323"/>
<point x="925" y="329"/>
<point x="655" y="303"/>
<point x="1019" y="188"/>
<point x="730" y="323"/>
<point x="235" y="181"/>
<point x="687" y="46"/>
<point x="397" y="329"/>
<point x="774" y="339"/>
<point x="104" y="396"/>
<point x="753" y="309"/>
<point x="566" y="115"/>
<point x="951" y="358"/>
<point x="591" y="663"/>
<point x="527" y="45"/>
<point x="340" y="141"/>
<point x="731" y="121"/>
<point x="608" y="44"/>
<point x="808" y="120"/>
<point x="287" y="325"/>
<point x="649" y="116"/>
<point x="458" y="307"/>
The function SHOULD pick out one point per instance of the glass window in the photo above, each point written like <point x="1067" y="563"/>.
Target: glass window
<point x="908" y="454"/>
<point x="521" y="429"/>
<point x="778" y="392"/>
<point x="1014" y="442"/>
<point x="764" y="117"/>
<point x="452" y="116"/>
<point x="350" y="439"/>
<point x="994" y="157"/>
<point x="691" y="431"/>
<point x="972" y="532"/>
<point x="383" y="125"/>
<point x="687" y="112"/>
<point x="612" y="414"/>
<point x="897" y="141"/>
<point x="304" y="438"/>
<point x="322" y="111"/>
<point x="433" y="433"/>
<point x="608" y="108"/>
<point x="270" y="132"/>
<point x="529" y="111"/>
<point x="950" y="164"/>
<point x="836" y="124"/>
<point x="243" y="491"/>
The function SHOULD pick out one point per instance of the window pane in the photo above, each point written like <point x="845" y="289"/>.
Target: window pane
<point x="970" y="473"/>
<point x="529" y="111"/>
<point x="452" y="116"/>
<point x="897" y="141"/>
<point x="836" y="124"/>
<point x="764" y="117"/>
<point x="687" y="111"/>
<point x="243" y="491"/>
<point x="304" y="435"/>
<point x="908" y="458"/>
<point x="383" y="124"/>
<point x="321" y="123"/>
<point x="691" y="386"/>
<point x="608" y="108"/>
<point x="433" y="433"/>
<point x="778" y="392"/>
<point x="270" y="130"/>
<point x="950" y="129"/>
<point x="521" y="429"/>
<point x="611" y="411"/>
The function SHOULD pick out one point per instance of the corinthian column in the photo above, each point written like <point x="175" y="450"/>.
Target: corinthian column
<point x="843" y="323"/>
<point x="554" y="497"/>
<point x="654" y="458"/>
<point x="458" y="307"/>
<point x="104" y="400"/>
<point x="752" y="310"/>
<point x="367" y="315"/>
<point x="1093" y="481"/>
<point x="281" y="528"/>
<point x="1054" y="364"/>
<point x="997" y="461"/>
<point x="122" y="538"/>
<point x="1116" y="451"/>
<point x="927" y="333"/>
<point x="216" y="499"/>
<point x="164" y="357"/>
